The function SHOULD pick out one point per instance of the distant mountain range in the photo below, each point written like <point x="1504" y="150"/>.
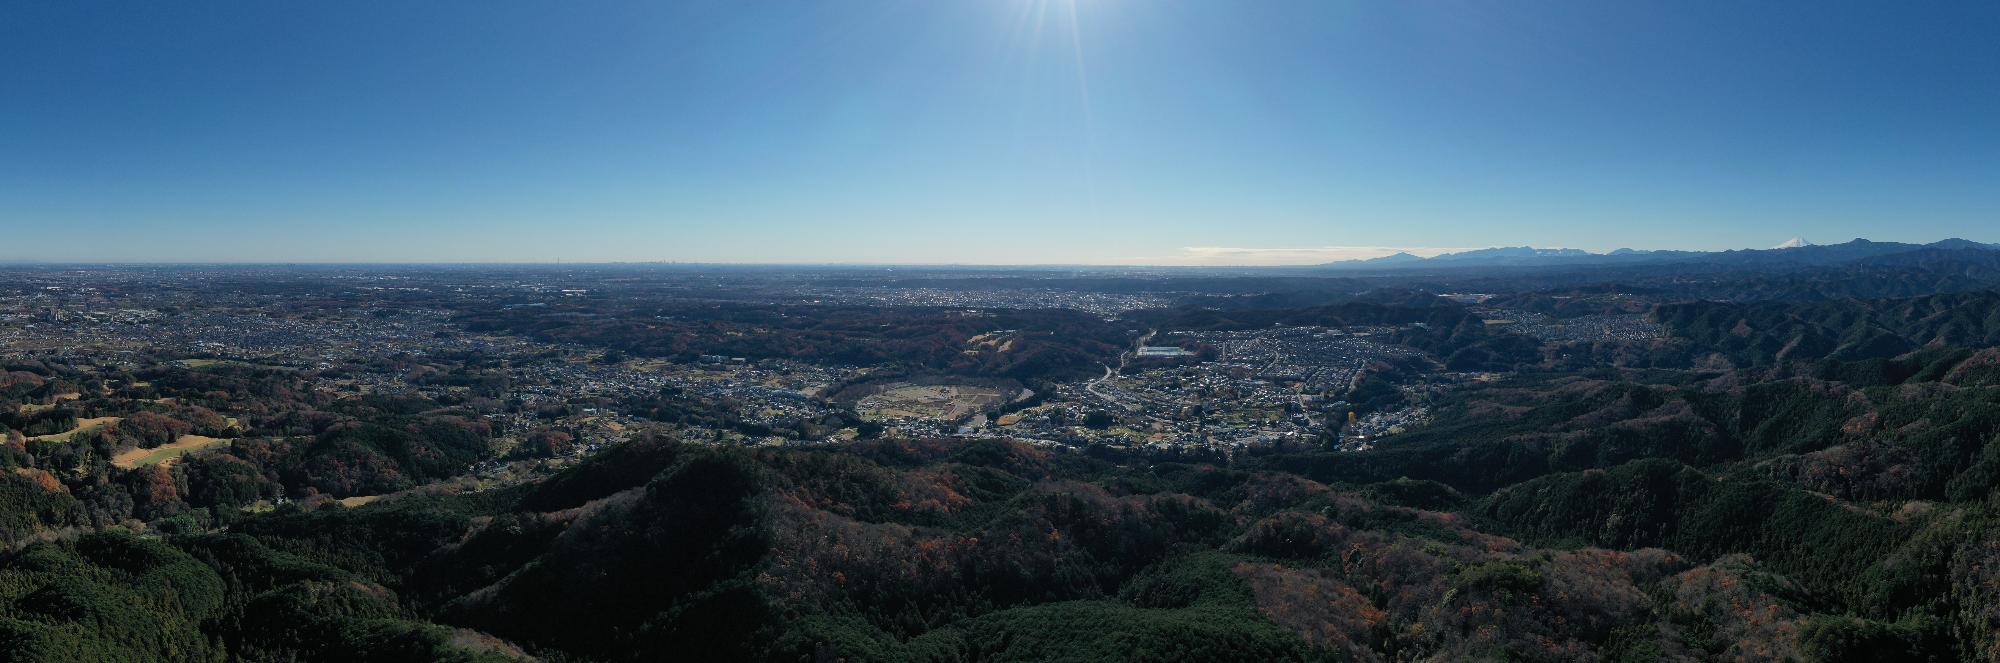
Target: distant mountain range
<point x="1796" y="252"/>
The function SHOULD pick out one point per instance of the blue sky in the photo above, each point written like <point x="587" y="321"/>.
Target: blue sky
<point x="985" y="131"/>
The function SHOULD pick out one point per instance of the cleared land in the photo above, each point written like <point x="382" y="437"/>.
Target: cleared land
<point x="82" y="425"/>
<point x="132" y="458"/>
<point x="31" y="408"/>
<point x="930" y="401"/>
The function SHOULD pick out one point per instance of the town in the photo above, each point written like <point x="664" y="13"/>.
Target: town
<point x="398" y="332"/>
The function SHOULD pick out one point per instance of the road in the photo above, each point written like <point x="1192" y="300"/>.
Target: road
<point x="1124" y="358"/>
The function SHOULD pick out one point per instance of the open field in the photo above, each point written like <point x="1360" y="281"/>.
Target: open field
<point x="930" y="401"/>
<point x="132" y="458"/>
<point x="31" y="408"/>
<point x="358" y="500"/>
<point x="82" y="425"/>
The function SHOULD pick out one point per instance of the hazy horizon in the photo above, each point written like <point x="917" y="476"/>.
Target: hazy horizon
<point x="987" y="132"/>
<point x="1369" y="252"/>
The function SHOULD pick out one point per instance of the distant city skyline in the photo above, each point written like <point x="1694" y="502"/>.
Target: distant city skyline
<point x="1114" y="132"/>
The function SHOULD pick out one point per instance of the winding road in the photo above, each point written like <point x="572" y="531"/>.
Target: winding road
<point x="1109" y="373"/>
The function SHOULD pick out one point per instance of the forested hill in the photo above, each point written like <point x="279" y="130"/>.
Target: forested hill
<point x="1772" y="332"/>
<point x="1047" y="343"/>
<point x="1766" y="515"/>
<point x="1582" y="475"/>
